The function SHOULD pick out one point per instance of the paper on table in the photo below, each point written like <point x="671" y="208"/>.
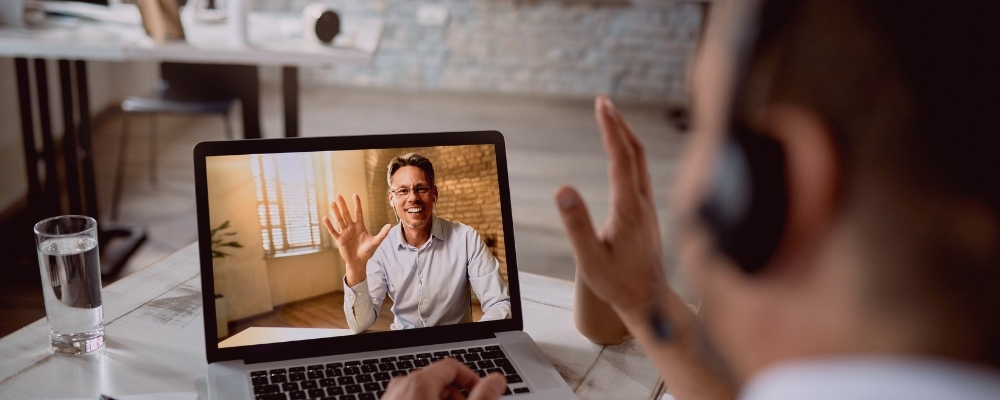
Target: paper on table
<point x="153" y="396"/>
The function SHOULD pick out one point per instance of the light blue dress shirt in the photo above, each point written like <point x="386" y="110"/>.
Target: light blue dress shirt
<point x="429" y="286"/>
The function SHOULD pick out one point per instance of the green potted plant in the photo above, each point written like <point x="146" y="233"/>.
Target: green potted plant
<point x="221" y="241"/>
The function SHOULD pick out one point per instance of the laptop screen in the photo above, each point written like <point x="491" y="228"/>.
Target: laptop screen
<point x="425" y="249"/>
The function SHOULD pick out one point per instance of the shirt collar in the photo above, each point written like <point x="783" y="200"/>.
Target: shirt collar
<point x="437" y="232"/>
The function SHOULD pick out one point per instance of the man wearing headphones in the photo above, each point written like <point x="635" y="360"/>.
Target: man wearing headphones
<point x="426" y="264"/>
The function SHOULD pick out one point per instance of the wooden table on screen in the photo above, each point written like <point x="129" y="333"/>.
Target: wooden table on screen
<point x="156" y="343"/>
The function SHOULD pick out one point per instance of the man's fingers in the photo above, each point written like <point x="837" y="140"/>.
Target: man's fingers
<point x="447" y="372"/>
<point x="621" y="170"/>
<point x="338" y="218"/>
<point x="382" y="234"/>
<point x="641" y="168"/>
<point x="329" y="227"/>
<point x="359" y="217"/>
<point x="344" y="211"/>
<point x="489" y="388"/>
<point x="577" y="221"/>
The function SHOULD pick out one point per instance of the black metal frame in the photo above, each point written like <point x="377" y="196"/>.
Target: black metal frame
<point x="356" y="343"/>
<point x="47" y="187"/>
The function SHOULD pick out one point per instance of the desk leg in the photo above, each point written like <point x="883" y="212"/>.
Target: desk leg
<point x="28" y="139"/>
<point x="290" y="87"/>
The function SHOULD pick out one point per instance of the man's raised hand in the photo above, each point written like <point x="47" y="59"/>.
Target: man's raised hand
<point x="355" y="244"/>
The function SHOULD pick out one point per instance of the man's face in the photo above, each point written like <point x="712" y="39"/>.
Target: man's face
<point x="414" y="210"/>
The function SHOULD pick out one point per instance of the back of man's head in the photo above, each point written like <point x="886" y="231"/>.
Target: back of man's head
<point x="910" y="93"/>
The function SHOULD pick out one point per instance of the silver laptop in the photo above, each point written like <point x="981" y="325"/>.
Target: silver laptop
<point x="281" y="321"/>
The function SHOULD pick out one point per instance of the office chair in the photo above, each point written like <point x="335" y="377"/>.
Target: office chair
<point x="152" y="105"/>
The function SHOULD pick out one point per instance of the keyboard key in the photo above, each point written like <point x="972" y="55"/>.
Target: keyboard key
<point x="472" y="357"/>
<point x="315" y="374"/>
<point x="387" y="359"/>
<point x="507" y="392"/>
<point x="422" y="362"/>
<point x="457" y="357"/>
<point x="406" y="357"/>
<point x="296" y="376"/>
<point x="306" y="385"/>
<point x="489" y="355"/>
<point x="372" y="387"/>
<point x="441" y="354"/>
<point x="494" y="371"/>
<point x="364" y="378"/>
<point x="297" y="395"/>
<point x="514" y="379"/>
<point x="459" y="351"/>
<point x="259" y="380"/>
<point x="296" y="369"/>
<point x="336" y="372"/>
<point x="493" y="348"/>
<point x="397" y="373"/>
<point x="266" y="389"/>
<point x="348" y="397"/>
<point x="476" y="350"/>
<point x="522" y="390"/>
<point x="335" y="365"/>
<point x="471" y="365"/>
<point x="351" y="370"/>
<point x="382" y="376"/>
<point x="345" y="380"/>
<point x="352" y="389"/>
<point x="335" y="391"/>
<point x="481" y="373"/>
<point x="327" y="382"/>
<point x="366" y="396"/>
<point x="404" y="365"/>
<point x="434" y="359"/>
<point x="387" y="367"/>
<point x="316" y="367"/>
<point x="369" y="368"/>
<point x="380" y="393"/>
<point x="508" y="370"/>
<point x="352" y="363"/>
<point x="289" y="387"/>
<point x="258" y="373"/>
<point x="273" y="396"/>
<point x="281" y="371"/>
<point x="501" y="362"/>
<point x="423" y="355"/>
<point x="485" y="364"/>
<point x="370" y="361"/>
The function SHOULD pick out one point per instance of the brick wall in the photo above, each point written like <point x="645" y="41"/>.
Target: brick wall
<point x="468" y="191"/>
<point x="630" y="49"/>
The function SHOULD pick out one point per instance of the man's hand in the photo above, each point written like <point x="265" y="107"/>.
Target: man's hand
<point x="442" y="380"/>
<point x="355" y="244"/>
<point x="621" y="264"/>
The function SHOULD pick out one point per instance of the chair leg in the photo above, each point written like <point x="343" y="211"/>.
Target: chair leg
<point x="229" y="126"/>
<point x="152" y="149"/>
<point x="119" y="171"/>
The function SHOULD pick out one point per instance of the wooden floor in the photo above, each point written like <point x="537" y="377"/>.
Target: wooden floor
<point x="324" y="311"/>
<point x="550" y="142"/>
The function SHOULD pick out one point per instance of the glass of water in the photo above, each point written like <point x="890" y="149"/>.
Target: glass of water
<point x="71" y="282"/>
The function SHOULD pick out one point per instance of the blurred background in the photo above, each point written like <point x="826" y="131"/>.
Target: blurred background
<point x="527" y="68"/>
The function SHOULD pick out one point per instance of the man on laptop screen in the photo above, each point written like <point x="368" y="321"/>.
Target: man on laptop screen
<point x="425" y="263"/>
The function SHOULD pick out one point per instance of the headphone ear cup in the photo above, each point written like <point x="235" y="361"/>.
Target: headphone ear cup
<point x="746" y="207"/>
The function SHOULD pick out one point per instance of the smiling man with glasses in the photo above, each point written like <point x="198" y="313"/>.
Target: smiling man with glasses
<point x="426" y="264"/>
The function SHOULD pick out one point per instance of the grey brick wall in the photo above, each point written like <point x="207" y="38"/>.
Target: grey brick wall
<point x="466" y="178"/>
<point x="635" y="49"/>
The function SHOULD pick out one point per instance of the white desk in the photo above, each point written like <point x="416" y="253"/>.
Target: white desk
<point x="155" y="343"/>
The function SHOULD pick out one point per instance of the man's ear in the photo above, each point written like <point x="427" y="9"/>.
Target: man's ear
<point x="812" y="169"/>
<point x="434" y="191"/>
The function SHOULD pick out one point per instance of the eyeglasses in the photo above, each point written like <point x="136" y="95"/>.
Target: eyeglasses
<point x="405" y="191"/>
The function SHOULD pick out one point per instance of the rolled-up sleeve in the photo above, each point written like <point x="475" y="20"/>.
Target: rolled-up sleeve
<point x="487" y="282"/>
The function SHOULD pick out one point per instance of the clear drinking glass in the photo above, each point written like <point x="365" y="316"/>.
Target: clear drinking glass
<point x="71" y="282"/>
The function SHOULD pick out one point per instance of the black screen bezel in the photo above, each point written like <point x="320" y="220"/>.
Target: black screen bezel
<point x="364" y="342"/>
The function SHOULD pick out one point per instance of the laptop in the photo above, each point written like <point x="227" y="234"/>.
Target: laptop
<point x="274" y="282"/>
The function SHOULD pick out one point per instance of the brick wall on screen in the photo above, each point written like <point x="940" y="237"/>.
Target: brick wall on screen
<point x="466" y="178"/>
<point x="630" y="49"/>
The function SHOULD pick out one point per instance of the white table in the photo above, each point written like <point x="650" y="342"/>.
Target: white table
<point x="155" y="343"/>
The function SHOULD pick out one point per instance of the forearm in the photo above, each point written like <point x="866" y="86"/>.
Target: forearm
<point x="688" y="368"/>
<point x="356" y="273"/>
<point x="358" y="307"/>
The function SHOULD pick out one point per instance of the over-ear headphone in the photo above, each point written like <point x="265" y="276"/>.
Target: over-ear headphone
<point x="746" y="204"/>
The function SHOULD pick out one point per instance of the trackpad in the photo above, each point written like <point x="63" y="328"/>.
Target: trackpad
<point x="533" y="366"/>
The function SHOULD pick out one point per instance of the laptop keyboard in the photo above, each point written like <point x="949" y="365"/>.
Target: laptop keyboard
<point x="367" y="379"/>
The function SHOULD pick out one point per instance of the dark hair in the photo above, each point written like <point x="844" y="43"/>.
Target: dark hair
<point x="910" y="93"/>
<point x="411" y="160"/>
